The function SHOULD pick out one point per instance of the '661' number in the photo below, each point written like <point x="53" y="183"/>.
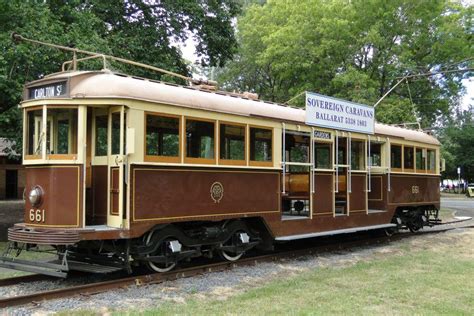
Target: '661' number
<point x="37" y="216"/>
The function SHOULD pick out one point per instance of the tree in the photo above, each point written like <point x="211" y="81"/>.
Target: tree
<point x="355" y="50"/>
<point x="144" y="31"/>
<point x="458" y="145"/>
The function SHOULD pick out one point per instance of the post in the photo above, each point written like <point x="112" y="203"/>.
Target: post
<point x="459" y="180"/>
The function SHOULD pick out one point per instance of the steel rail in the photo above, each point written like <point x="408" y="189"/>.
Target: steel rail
<point x="99" y="287"/>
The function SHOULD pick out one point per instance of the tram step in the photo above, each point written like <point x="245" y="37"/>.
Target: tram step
<point x="48" y="268"/>
<point x="91" y="267"/>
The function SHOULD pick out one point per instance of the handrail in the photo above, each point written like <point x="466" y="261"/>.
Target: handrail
<point x="349" y="162"/>
<point x="389" y="166"/>
<point x="369" y="166"/>
<point x="312" y="158"/>
<point x="289" y="163"/>
<point x="283" y="158"/>
<point x="337" y="162"/>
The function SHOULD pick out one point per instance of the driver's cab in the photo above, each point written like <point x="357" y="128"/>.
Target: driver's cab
<point x="74" y="157"/>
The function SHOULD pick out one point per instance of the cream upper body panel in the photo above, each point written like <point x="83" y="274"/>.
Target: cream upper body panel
<point x="84" y="84"/>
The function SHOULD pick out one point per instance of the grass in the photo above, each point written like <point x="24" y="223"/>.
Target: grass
<point x="427" y="281"/>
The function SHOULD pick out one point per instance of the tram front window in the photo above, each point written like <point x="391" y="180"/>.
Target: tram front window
<point x="59" y="137"/>
<point x="62" y="132"/>
<point x="34" y="127"/>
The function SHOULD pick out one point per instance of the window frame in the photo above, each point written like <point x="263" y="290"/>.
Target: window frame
<point x="435" y="160"/>
<point x="382" y="153"/>
<point x="423" y="151"/>
<point x="95" y="114"/>
<point x="401" y="157"/>
<point x="412" y="170"/>
<point x="234" y="162"/>
<point x="44" y="108"/>
<point x="363" y="154"/>
<point x="26" y="144"/>
<point x="160" y="158"/>
<point x="331" y="154"/>
<point x="193" y="160"/>
<point x="63" y="156"/>
<point x="256" y="163"/>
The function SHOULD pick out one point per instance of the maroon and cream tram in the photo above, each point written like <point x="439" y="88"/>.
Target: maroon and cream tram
<point x="124" y="171"/>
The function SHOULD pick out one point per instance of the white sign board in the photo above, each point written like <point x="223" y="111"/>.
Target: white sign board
<point x="459" y="170"/>
<point x="339" y="114"/>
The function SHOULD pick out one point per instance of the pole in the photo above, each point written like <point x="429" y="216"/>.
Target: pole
<point x="459" y="180"/>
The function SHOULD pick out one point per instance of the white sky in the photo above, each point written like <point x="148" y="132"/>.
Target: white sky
<point x="469" y="96"/>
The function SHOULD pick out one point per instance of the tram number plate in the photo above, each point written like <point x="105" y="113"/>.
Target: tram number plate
<point x="37" y="216"/>
<point x="415" y="189"/>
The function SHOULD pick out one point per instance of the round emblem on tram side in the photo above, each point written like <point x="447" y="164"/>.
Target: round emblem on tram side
<point x="217" y="192"/>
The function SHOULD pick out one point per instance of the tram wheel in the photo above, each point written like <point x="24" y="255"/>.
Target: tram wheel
<point x="233" y="241"/>
<point x="162" y="250"/>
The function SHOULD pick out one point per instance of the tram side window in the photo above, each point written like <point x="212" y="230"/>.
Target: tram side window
<point x="420" y="159"/>
<point x="322" y="155"/>
<point x="396" y="156"/>
<point x="261" y="144"/>
<point x="199" y="139"/>
<point x="34" y="126"/>
<point x="342" y="151"/>
<point x="101" y="135"/>
<point x="357" y="155"/>
<point x="297" y="150"/>
<point x="62" y="131"/>
<point x="431" y="163"/>
<point x="375" y="154"/>
<point x="232" y="142"/>
<point x="162" y="136"/>
<point x="115" y="133"/>
<point x="408" y="159"/>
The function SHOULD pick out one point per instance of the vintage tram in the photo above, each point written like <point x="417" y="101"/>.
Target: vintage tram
<point x="123" y="171"/>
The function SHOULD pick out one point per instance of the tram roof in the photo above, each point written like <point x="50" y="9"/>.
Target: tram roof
<point x="106" y="84"/>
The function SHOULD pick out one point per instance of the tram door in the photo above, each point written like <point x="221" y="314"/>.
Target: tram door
<point x="342" y="185"/>
<point x="350" y="185"/>
<point x="116" y="159"/>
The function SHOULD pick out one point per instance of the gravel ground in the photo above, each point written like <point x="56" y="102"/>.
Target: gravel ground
<point x="217" y="284"/>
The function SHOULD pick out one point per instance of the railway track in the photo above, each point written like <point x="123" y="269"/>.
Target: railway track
<point x="103" y="286"/>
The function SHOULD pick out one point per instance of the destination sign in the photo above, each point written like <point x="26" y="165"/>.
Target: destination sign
<point x="52" y="90"/>
<point x="339" y="114"/>
<point x="322" y="135"/>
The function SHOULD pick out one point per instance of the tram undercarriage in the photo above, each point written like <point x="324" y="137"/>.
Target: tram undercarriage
<point x="160" y="249"/>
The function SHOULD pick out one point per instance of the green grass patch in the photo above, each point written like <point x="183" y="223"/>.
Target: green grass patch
<point x="423" y="282"/>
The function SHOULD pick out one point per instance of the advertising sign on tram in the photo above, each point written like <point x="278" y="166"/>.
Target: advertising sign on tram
<point x="339" y="114"/>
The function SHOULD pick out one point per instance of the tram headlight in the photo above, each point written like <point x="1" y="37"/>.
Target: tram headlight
<point x="35" y="195"/>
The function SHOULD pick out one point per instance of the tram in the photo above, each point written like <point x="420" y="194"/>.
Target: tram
<point x="124" y="171"/>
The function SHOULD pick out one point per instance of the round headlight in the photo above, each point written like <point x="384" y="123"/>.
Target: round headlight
<point x="35" y="195"/>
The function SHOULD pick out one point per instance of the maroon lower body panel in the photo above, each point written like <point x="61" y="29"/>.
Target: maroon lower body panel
<point x="200" y="194"/>
<point x="61" y="200"/>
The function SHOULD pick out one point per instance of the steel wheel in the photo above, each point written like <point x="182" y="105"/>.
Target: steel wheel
<point x="163" y="249"/>
<point x="233" y="241"/>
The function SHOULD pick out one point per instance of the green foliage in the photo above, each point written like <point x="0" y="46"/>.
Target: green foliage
<point x="140" y="30"/>
<point x="355" y="50"/>
<point x="458" y="145"/>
